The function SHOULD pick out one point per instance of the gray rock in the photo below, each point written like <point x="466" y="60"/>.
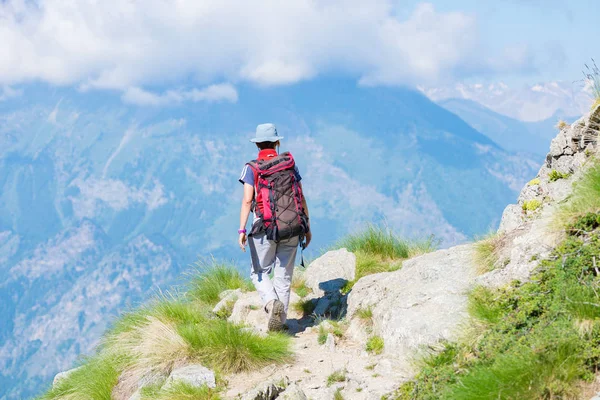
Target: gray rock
<point x="194" y="374"/>
<point x="62" y="375"/>
<point x="331" y="271"/>
<point x="137" y="395"/>
<point x="330" y="342"/>
<point x="420" y="304"/>
<point x="227" y="297"/>
<point x="267" y="391"/>
<point x="512" y="217"/>
<point x="293" y="392"/>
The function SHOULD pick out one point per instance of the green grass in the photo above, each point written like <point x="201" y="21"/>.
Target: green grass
<point x="305" y="307"/>
<point x="533" y="182"/>
<point x="487" y="253"/>
<point x="585" y="198"/>
<point x="379" y="241"/>
<point x="554" y="175"/>
<point x="531" y="205"/>
<point x="375" y="345"/>
<point x="94" y="380"/>
<point x="533" y="340"/>
<point x="180" y="391"/>
<point x="322" y="336"/>
<point x="591" y="76"/>
<point x="175" y="329"/>
<point x="337" y="376"/>
<point x="378" y="249"/>
<point x="211" y="280"/>
<point x="337" y="395"/>
<point x="229" y="348"/>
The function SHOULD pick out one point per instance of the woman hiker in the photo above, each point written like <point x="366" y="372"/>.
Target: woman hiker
<point x="272" y="190"/>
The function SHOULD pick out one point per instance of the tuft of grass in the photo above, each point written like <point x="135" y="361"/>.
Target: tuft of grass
<point x="305" y="307"/>
<point x="554" y="175"/>
<point x="211" y="280"/>
<point x="322" y="336"/>
<point x="230" y="348"/>
<point x="375" y="345"/>
<point x="533" y="182"/>
<point x="585" y="198"/>
<point x="538" y="340"/>
<point x="591" y="77"/>
<point x="487" y="252"/>
<point x="179" y="391"/>
<point x="561" y="124"/>
<point x="379" y="241"/>
<point x="337" y="376"/>
<point x="337" y="395"/>
<point x="365" y="314"/>
<point x="95" y="379"/>
<point x="299" y="285"/>
<point x="531" y="205"/>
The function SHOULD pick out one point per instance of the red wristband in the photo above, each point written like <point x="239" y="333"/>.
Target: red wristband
<point x="241" y="231"/>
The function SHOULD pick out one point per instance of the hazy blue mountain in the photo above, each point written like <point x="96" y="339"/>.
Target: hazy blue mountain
<point x="512" y="134"/>
<point x="101" y="202"/>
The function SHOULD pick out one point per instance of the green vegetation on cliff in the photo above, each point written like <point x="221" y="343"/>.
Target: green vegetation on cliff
<point x="529" y="340"/>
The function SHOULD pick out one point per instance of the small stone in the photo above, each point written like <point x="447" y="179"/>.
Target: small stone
<point x="194" y="375"/>
<point x="227" y="297"/>
<point x="293" y="392"/>
<point x="330" y="342"/>
<point x="62" y="375"/>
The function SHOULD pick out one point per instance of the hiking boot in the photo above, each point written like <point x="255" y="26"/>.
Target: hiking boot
<point x="276" y="312"/>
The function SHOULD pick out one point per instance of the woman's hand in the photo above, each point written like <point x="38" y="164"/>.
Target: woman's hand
<point x="242" y="241"/>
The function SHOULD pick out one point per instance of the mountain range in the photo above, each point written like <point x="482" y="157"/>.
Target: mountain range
<point x="104" y="202"/>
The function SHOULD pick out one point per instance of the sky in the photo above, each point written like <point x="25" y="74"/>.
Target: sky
<point x="156" y="52"/>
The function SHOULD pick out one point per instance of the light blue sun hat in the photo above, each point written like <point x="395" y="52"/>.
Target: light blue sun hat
<point x="266" y="133"/>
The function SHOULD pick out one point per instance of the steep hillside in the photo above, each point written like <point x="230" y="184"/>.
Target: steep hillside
<point x="102" y="202"/>
<point x="512" y="316"/>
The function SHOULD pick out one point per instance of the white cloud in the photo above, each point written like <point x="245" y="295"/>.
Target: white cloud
<point x="129" y="45"/>
<point x="212" y="93"/>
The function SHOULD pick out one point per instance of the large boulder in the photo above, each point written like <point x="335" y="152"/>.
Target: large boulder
<point x="418" y="305"/>
<point x="330" y="272"/>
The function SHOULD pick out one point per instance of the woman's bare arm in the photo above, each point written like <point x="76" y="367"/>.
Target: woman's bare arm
<point x="245" y="212"/>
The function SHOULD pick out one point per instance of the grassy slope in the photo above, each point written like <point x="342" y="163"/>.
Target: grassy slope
<point x="168" y="331"/>
<point x="531" y="340"/>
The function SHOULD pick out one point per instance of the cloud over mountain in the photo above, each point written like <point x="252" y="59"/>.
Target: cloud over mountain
<point x="129" y="45"/>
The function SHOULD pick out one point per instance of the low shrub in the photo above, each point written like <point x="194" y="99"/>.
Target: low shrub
<point x="337" y="376"/>
<point x="375" y="345"/>
<point x="531" y="205"/>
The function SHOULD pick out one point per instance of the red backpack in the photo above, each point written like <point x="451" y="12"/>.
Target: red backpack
<point x="282" y="216"/>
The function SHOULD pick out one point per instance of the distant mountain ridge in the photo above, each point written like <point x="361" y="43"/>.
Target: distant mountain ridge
<point x="101" y="202"/>
<point x="512" y="134"/>
<point x="530" y="103"/>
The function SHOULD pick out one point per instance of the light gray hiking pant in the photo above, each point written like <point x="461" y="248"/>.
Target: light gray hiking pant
<point x="267" y="256"/>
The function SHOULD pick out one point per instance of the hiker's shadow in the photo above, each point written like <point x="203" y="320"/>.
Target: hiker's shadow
<point x="331" y="305"/>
